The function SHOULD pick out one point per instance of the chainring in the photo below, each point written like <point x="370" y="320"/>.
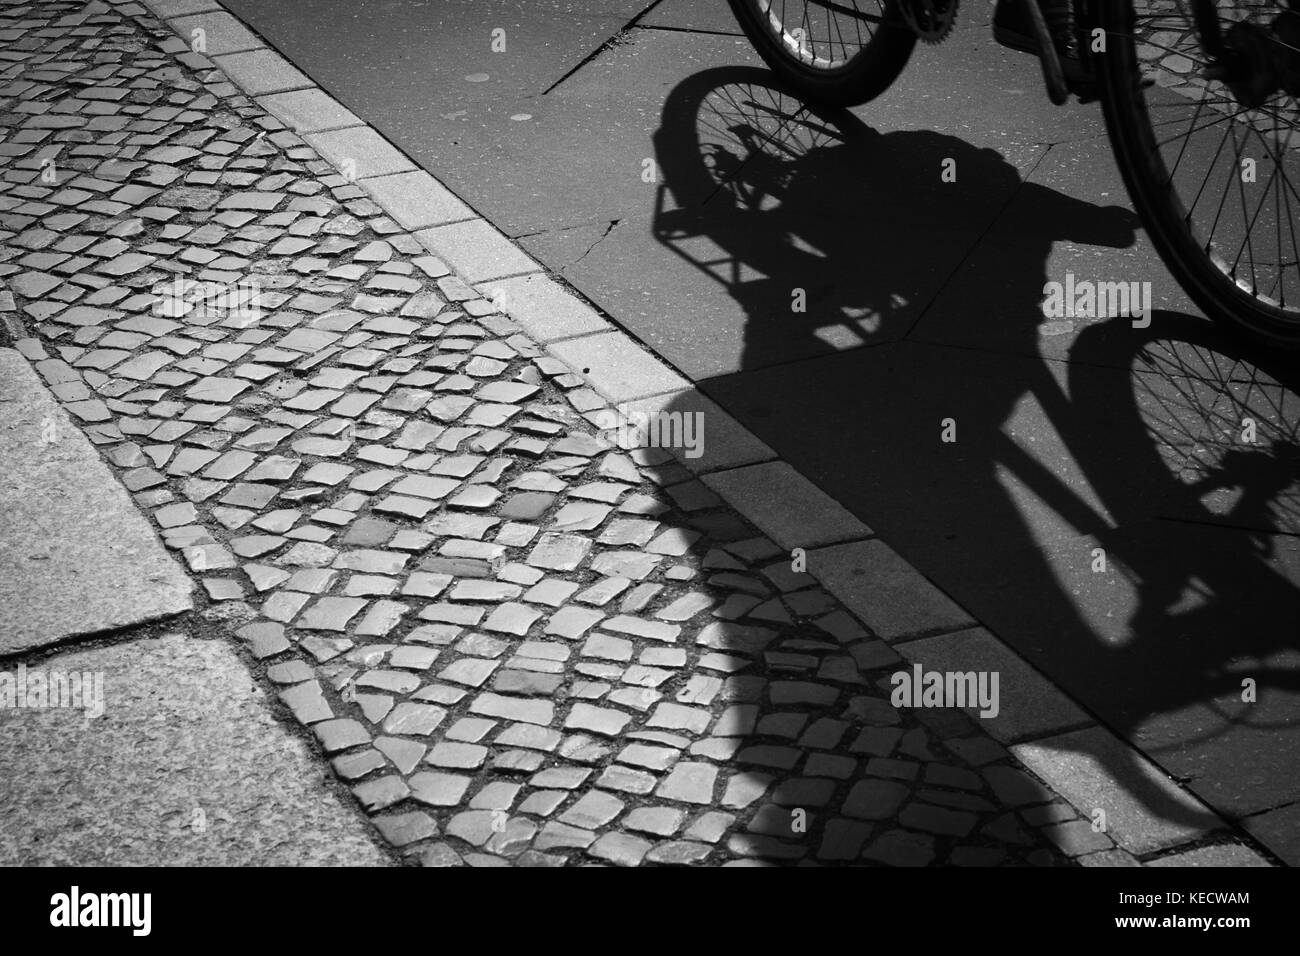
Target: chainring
<point x="930" y="20"/>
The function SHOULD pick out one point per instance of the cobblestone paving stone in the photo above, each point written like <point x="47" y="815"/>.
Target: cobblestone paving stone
<point x="515" y="641"/>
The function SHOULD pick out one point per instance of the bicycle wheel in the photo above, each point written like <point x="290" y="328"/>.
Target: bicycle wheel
<point x="843" y="52"/>
<point x="1209" y="151"/>
<point x="1179" y="418"/>
<point x="735" y="137"/>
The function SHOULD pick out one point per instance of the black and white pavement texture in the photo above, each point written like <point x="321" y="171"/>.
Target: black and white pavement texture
<point x="368" y="578"/>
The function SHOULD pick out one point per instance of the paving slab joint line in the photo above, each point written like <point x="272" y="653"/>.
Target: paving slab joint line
<point x="583" y="335"/>
<point x="512" y="275"/>
<point x="450" y="222"/>
<point x="1212" y="841"/>
<point x="361" y="181"/>
<point x="1038" y="736"/>
<point x="198" y="625"/>
<point x="109" y="637"/>
<point x="613" y="41"/>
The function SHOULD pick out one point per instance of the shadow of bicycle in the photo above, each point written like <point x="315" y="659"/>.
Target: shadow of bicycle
<point x="1122" y="514"/>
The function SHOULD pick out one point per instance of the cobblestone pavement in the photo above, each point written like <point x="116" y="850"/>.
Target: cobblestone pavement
<point x="515" y="641"/>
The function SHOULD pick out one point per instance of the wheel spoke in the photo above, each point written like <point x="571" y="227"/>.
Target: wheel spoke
<point x="814" y="33"/>
<point x="1204" y="135"/>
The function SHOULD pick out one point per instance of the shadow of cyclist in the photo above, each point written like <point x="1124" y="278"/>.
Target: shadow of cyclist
<point x="840" y="237"/>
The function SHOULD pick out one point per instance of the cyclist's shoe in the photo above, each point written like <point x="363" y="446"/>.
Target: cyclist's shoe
<point x="1012" y="29"/>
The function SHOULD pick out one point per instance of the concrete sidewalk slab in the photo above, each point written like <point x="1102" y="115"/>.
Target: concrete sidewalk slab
<point x="726" y="443"/>
<point x="222" y="33"/>
<point x="182" y="8"/>
<point x="416" y="200"/>
<point x="889" y="595"/>
<point x="545" y="309"/>
<point x="259" y="72"/>
<point x="786" y="506"/>
<point x="1029" y="704"/>
<point x="76" y="557"/>
<point x="309" y="111"/>
<point x="1279" y="830"/>
<point x="1144" y="810"/>
<point x="477" y="251"/>
<point x="617" y="367"/>
<point x="360" y="150"/>
<point x="185" y="767"/>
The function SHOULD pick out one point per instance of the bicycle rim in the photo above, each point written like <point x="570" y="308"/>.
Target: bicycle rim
<point x="841" y="52"/>
<point x="1216" y="181"/>
<point x="823" y="37"/>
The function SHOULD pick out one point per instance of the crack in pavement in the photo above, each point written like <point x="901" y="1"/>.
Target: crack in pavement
<point x="603" y="236"/>
<point x="695" y="30"/>
<point x="619" y="38"/>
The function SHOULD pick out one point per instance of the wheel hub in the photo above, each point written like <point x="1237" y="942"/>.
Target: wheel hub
<point x="1260" y="61"/>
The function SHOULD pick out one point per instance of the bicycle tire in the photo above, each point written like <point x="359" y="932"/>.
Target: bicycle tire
<point x="1137" y="153"/>
<point x="682" y="152"/>
<point x="865" y="75"/>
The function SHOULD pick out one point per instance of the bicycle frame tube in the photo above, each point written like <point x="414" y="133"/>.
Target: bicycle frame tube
<point x="1048" y="58"/>
<point x="1086" y="22"/>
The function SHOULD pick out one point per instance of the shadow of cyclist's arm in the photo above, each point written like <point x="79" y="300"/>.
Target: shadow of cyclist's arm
<point x="1075" y="220"/>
